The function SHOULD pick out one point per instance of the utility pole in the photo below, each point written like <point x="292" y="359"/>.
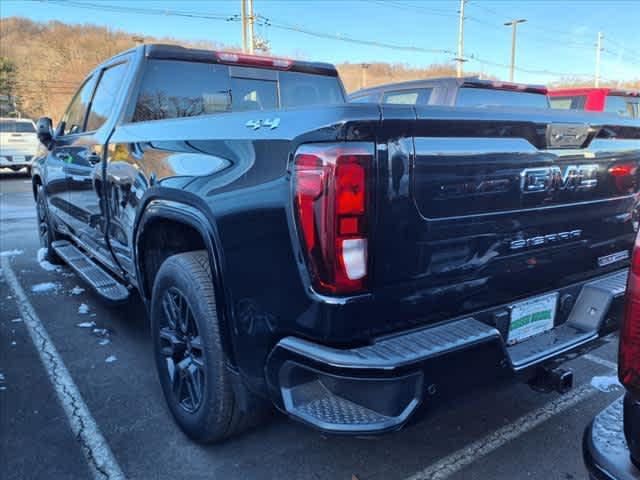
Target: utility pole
<point x="363" y="81"/>
<point x="459" y="59"/>
<point x="252" y="18"/>
<point x="244" y="25"/>
<point x="513" y="24"/>
<point x="598" y="52"/>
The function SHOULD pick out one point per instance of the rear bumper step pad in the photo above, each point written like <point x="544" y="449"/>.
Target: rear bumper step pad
<point x="103" y="283"/>
<point x="377" y="387"/>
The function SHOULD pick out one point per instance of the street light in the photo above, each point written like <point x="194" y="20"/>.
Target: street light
<point x="513" y="24"/>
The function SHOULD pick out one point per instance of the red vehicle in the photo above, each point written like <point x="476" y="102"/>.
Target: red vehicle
<point x="625" y="103"/>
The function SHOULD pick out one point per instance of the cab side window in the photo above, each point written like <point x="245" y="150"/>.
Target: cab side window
<point x="76" y="113"/>
<point x="105" y="96"/>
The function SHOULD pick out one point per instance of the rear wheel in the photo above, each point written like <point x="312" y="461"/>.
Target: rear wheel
<point x="46" y="233"/>
<point x="189" y="356"/>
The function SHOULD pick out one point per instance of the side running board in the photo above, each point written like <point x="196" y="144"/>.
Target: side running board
<point x="102" y="282"/>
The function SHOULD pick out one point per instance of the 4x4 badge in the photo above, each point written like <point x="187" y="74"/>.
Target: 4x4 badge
<point x="271" y="123"/>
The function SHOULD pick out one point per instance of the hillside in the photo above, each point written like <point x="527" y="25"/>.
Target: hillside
<point x="42" y="67"/>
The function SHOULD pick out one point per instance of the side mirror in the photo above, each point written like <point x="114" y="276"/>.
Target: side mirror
<point x="45" y="131"/>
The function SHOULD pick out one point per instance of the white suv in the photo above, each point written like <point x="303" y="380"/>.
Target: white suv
<point x="18" y="143"/>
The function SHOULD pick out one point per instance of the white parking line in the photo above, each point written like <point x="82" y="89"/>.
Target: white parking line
<point x="458" y="460"/>
<point x="99" y="457"/>
<point x="600" y="361"/>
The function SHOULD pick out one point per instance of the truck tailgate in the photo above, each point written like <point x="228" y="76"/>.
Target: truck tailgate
<point x="484" y="207"/>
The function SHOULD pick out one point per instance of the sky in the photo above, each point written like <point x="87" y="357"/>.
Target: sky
<point x="558" y="40"/>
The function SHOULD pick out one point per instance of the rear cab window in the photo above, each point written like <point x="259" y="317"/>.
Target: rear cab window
<point x="13" y="126"/>
<point x="419" y="96"/>
<point x="569" y="102"/>
<point x="371" y="98"/>
<point x="623" y="106"/>
<point x="491" y="97"/>
<point x="214" y="88"/>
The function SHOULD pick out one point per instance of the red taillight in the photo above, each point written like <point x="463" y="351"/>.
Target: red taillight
<point x="629" y="355"/>
<point x="254" y="60"/>
<point x="331" y="200"/>
<point x="624" y="175"/>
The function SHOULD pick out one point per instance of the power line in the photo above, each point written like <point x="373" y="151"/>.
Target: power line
<point x="416" y="8"/>
<point x="143" y="10"/>
<point x="478" y="59"/>
<point x="345" y="38"/>
<point x="532" y="26"/>
<point x="264" y="21"/>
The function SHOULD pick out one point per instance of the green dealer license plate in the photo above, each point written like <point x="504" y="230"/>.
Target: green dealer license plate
<point x="532" y="317"/>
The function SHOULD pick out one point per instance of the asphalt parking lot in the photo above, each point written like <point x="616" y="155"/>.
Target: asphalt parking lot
<point x="505" y="433"/>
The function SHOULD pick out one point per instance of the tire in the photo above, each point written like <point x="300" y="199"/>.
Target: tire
<point x="46" y="232"/>
<point x="200" y="392"/>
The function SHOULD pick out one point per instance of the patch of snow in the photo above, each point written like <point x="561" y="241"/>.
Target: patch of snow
<point x="16" y="320"/>
<point x="111" y="359"/>
<point x="13" y="344"/>
<point x="86" y="324"/>
<point x="44" y="287"/>
<point x="606" y="384"/>
<point x="104" y="341"/>
<point x="44" y="263"/>
<point x="100" y="332"/>
<point x="1" y="377"/>
<point x="11" y="253"/>
<point x="83" y="309"/>
<point x="76" y="290"/>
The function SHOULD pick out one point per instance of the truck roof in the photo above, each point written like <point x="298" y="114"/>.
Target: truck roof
<point x="176" y="52"/>
<point x="459" y="82"/>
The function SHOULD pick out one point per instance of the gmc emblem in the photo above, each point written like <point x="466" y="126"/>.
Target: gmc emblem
<point x="544" y="179"/>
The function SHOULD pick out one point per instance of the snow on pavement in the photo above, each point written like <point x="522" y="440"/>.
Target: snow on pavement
<point x="44" y="287"/>
<point x="606" y="383"/>
<point x="76" y="290"/>
<point x="44" y="263"/>
<point x="11" y="253"/>
<point x="86" y="324"/>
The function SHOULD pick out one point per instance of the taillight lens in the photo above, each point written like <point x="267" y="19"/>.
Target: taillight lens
<point x="331" y="200"/>
<point x="629" y="355"/>
<point x="624" y="176"/>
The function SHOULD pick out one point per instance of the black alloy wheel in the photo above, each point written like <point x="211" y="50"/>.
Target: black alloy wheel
<point x="181" y="345"/>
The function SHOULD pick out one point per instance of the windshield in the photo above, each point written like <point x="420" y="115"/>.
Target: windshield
<point x="488" y="97"/>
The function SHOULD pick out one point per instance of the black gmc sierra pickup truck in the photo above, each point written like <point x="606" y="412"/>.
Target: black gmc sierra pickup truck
<point x="344" y="262"/>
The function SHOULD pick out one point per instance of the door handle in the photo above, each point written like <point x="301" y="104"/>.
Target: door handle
<point x="93" y="158"/>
